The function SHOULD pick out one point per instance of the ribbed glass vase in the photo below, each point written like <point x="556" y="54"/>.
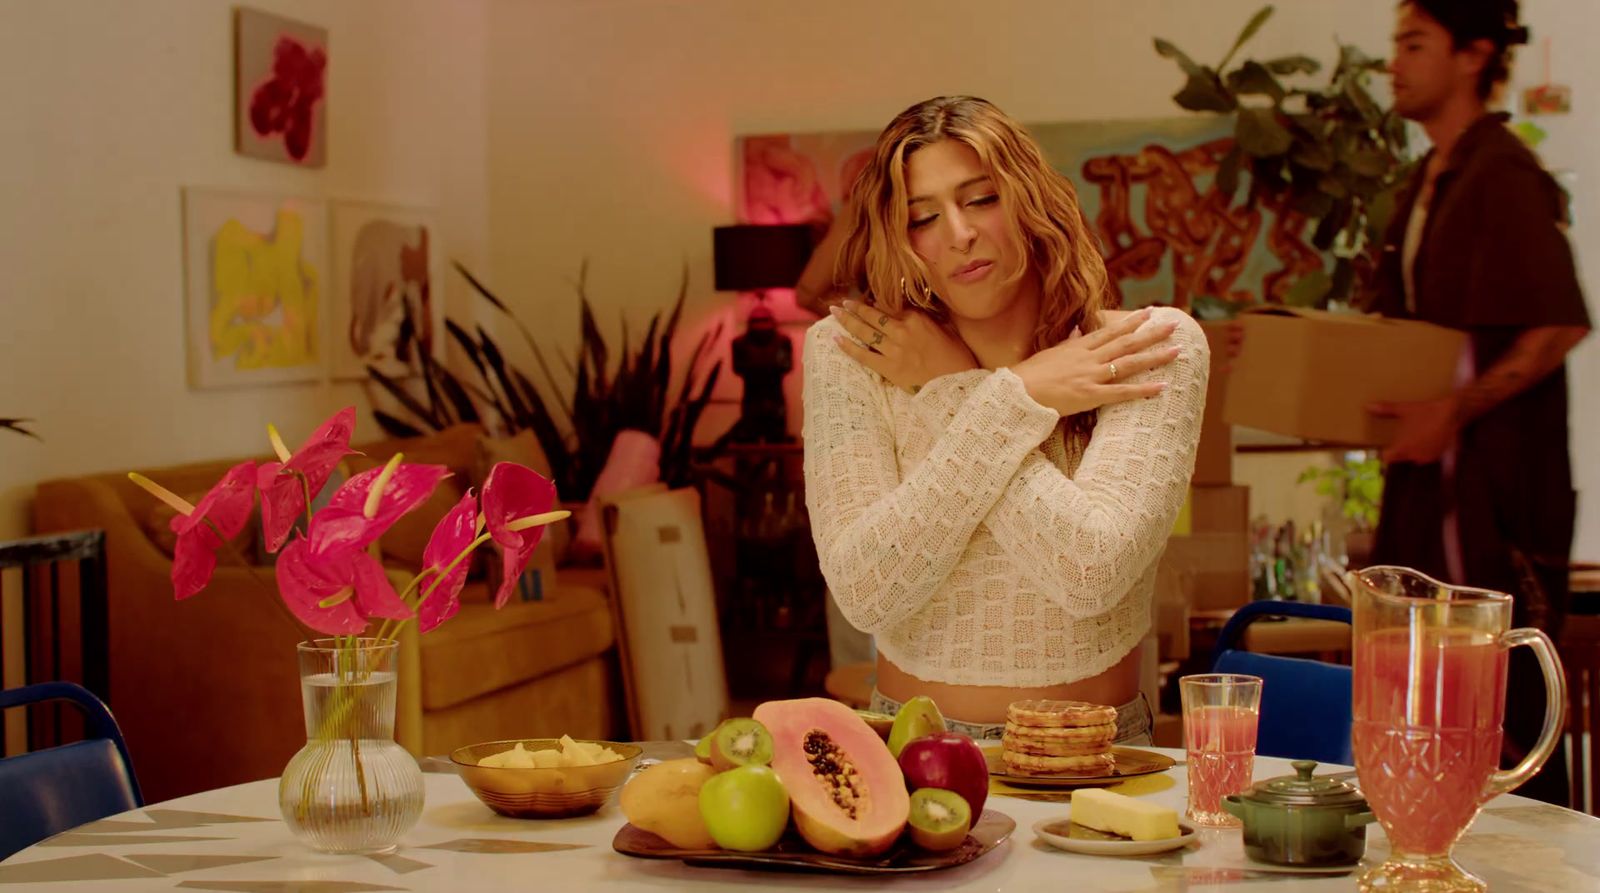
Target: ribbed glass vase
<point x="351" y="789"/>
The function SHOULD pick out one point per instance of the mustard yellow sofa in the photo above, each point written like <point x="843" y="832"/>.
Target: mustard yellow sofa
<point x="207" y="690"/>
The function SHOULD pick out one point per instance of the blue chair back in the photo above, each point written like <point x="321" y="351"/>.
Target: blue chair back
<point x="49" y="791"/>
<point x="1305" y="704"/>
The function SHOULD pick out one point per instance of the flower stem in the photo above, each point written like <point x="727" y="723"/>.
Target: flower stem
<point x="300" y="629"/>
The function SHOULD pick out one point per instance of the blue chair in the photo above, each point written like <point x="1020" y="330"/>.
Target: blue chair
<point x="1305" y="704"/>
<point x="49" y="791"/>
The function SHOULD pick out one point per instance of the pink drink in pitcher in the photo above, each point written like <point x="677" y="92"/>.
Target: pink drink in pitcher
<point x="1428" y="708"/>
<point x="1222" y="747"/>
<point x="1429" y="693"/>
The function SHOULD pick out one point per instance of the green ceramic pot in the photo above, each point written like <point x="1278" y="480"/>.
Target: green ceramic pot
<point x="1302" y="820"/>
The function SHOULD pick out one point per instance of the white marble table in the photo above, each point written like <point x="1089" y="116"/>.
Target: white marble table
<point x="233" y="840"/>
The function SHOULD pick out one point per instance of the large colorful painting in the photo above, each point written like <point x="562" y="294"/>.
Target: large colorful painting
<point x="256" y="270"/>
<point x="385" y="271"/>
<point x="1147" y="186"/>
<point x="280" y="85"/>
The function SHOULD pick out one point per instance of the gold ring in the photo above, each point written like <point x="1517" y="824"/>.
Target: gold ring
<point x="877" y="339"/>
<point x="1113" y="367"/>
<point x="883" y="320"/>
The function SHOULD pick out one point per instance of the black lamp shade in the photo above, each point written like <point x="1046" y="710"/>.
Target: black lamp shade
<point x="750" y="258"/>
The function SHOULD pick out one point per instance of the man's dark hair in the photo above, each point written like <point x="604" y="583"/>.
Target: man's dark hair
<point x="1470" y="20"/>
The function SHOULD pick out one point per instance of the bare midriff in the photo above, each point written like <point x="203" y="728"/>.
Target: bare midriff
<point x="987" y="703"/>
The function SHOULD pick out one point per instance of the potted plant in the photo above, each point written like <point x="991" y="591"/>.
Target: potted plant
<point x="575" y="423"/>
<point x="1327" y="153"/>
<point x="1356" y="485"/>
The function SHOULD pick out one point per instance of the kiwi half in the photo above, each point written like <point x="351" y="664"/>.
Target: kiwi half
<point x="702" y="748"/>
<point x="740" y="742"/>
<point x="938" y="819"/>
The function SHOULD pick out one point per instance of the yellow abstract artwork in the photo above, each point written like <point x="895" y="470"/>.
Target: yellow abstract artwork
<point x="257" y="285"/>
<point x="264" y="296"/>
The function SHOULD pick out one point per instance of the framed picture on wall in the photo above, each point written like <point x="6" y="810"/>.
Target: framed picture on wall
<point x="280" y="88"/>
<point x="255" y="273"/>
<point x="386" y="269"/>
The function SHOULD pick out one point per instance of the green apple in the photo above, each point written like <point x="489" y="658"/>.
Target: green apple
<point x="745" y="809"/>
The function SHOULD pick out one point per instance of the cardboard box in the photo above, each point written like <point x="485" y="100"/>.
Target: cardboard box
<point x="1217" y="566"/>
<point x="1213" y="461"/>
<point x="1223" y="509"/>
<point x="1169" y="610"/>
<point x="1311" y="374"/>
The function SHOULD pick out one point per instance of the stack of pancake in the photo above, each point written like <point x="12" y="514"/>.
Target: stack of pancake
<point x="1058" y="738"/>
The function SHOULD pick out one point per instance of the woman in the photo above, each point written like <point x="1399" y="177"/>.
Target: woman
<point x="993" y="458"/>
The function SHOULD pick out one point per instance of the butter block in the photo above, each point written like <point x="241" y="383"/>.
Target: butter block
<point x="1118" y="814"/>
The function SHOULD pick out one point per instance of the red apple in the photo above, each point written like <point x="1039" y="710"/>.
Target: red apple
<point x="948" y="760"/>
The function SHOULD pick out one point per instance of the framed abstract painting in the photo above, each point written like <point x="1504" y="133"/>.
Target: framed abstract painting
<point x="386" y="270"/>
<point x="280" y="89"/>
<point x="255" y="273"/>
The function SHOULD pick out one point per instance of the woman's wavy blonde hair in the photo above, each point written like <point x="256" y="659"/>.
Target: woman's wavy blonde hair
<point x="1044" y="217"/>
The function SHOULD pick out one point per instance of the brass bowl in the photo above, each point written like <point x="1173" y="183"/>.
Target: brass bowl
<point x="552" y="793"/>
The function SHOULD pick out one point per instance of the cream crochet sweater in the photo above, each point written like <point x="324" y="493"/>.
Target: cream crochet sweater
<point x="958" y="528"/>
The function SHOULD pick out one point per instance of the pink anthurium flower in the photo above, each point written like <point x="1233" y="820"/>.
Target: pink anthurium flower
<point x="327" y="578"/>
<point x="516" y="506"/>
<point x="335" y="593"/>
<point x="283" y="493"/>
<point x="225" y="508"/>
<point x="442" y="589"/>
<point x="367" y="505"/>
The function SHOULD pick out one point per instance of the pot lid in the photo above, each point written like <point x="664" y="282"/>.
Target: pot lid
<point x="1305" y="789"/>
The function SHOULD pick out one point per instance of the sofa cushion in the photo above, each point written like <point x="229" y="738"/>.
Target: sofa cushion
<point x="579" y="700"/>
<point x="481" y="650"/>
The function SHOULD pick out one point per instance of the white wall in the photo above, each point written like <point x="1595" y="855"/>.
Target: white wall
<point x="107" y="110"/>
<point x="611" y="122"/>
<point x="1571" y="147"/>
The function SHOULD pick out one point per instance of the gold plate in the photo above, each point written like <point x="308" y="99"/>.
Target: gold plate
<point x="794" y="854"/>
<point x="1128" y="762"/>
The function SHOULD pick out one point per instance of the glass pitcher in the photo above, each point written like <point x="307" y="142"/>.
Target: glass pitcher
<point x="1429" y="698"/>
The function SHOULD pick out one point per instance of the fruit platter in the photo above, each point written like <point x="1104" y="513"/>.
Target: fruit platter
<point x="812" y="785"/>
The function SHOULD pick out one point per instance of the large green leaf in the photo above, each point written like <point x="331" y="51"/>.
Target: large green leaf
<point x="1288" y="65"/>
<point x="1249" y="31"/>
<point x="1189" y="66"/>
<point x="1259" y="133"/>
<point x="1363" y="102"/>
<point x="1253" y="79"/>
<point x="1204" y="93"/>
<point x="1314" y="154"/>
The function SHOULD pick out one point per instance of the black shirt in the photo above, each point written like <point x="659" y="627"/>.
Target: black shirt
<point x="1493" y="262"/>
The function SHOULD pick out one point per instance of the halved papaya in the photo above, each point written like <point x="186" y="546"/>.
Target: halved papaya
<point x="846" y="791"/>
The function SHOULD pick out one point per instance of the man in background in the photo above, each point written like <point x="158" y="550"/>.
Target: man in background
<point x="1478" y="486"/>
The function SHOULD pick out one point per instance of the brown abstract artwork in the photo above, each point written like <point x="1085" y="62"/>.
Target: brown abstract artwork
<point x="383" y="283"/>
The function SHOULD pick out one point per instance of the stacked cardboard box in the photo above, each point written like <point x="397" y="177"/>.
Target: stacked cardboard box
<point x="1208" y="557"/>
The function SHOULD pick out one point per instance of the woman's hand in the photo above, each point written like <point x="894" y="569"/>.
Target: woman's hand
<point x="908" y="351"/>
<point x="1083" y="372"/>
